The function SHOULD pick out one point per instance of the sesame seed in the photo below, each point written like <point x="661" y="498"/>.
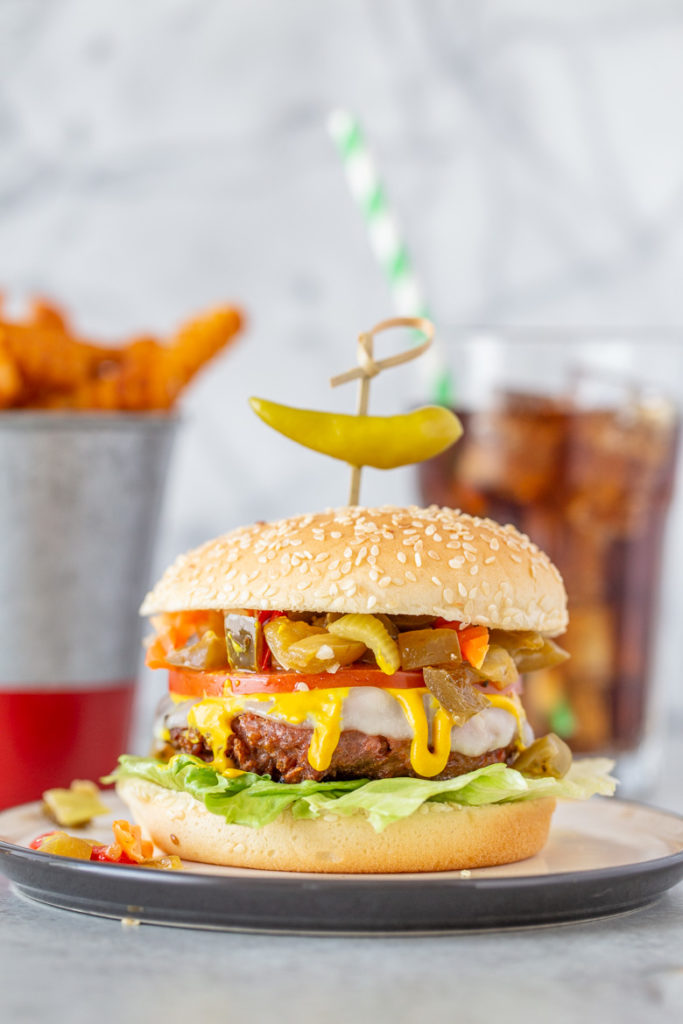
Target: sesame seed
<point x="418" y="559"/>
<point x="372" y="601"/>
<point x="402" y="557"/>
<point x="462" y="589"/>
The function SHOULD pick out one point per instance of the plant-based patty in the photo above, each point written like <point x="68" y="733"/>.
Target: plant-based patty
<point x="268" y="747"/>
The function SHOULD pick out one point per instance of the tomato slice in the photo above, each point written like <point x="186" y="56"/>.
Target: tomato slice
<point x="192" y="683"/>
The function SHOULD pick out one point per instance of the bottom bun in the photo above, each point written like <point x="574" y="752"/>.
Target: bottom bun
<point x="438" y="837"/>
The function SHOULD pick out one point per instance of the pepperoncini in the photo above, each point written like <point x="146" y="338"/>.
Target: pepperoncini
<point x="372" y="632"/>
<point x="383" y="442"/>
<point x="302" y="647"/>
<point x="64" y="845"/>
<point x="74" y="806"/>
<point x="530" y="651"/>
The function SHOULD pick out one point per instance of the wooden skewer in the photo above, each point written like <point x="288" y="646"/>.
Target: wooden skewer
<point x="367" y="369"/>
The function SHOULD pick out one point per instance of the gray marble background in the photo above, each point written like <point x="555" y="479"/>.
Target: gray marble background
<point x="159" y="157"/>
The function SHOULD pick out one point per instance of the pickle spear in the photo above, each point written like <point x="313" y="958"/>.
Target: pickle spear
<point x="383" y="442"/>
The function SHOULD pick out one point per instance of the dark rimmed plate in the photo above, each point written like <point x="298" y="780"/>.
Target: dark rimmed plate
<point x="603" y="857"/>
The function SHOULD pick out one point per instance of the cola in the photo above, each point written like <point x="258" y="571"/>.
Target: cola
<point x="592" y="487"/>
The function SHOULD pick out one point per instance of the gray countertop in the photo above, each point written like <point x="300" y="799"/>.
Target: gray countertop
<point x="66" y="966"/>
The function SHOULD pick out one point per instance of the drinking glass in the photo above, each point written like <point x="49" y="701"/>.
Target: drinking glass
<point x="573" y="437"/>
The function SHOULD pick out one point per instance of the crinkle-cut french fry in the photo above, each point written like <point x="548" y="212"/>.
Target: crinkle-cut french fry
<point x="150" y="376"/>
<point x="49" y="360"/>
<point x="42" y="365"/>
<point x="47" y="314"/>
<point x="10" y="378"/>
<point x="199" y="340"/>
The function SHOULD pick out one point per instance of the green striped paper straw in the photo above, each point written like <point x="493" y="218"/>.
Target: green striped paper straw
<point x="386" y="240"/>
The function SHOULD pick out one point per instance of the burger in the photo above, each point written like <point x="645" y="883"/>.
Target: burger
<point x="345" y="696"/>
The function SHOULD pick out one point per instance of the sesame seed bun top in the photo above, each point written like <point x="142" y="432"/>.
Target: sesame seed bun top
<point x="407" y="561"/>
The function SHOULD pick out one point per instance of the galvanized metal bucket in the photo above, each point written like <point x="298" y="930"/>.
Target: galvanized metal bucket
<point x="80" y="497"/>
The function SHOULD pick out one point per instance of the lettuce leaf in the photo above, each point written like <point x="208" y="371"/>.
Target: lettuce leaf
<point x="256" y="800"/>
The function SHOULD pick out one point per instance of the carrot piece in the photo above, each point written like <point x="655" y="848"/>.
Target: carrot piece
<point x="474" y="643"/>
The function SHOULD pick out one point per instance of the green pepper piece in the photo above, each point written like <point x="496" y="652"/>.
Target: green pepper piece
<point x="423" y="647"/>
<point x="383" y="442"/>
<point x="455" y="692"/>
<point x="244" y="642"/>
<point x="206" y="652"/>
<point x="547" y="756"/>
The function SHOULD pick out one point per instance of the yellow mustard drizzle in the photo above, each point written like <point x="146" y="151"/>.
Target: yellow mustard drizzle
<point x="212" y="717"/>
<point x="514" y="707"/>
<point x="425" y="761"/>
<point x="178" y="698"/>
